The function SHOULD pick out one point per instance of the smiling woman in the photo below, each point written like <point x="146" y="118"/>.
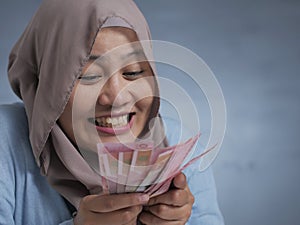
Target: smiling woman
<point x="117" y="99"/>
<point x="85" y="76"/>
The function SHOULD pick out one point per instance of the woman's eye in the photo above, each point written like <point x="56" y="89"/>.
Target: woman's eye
<point x="133" y="74"/>
<point x="90" y="79"/>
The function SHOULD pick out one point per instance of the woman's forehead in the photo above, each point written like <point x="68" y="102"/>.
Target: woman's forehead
<point x="109" y="38"/>
<point x="116" y="46"/>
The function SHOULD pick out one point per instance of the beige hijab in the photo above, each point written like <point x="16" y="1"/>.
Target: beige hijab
<point x="43" y="68"/>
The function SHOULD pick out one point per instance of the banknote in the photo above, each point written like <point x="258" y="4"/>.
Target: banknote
<point x="179" y="153"/>
<point x="157" y="168"/>
<point x="105" y="188"/>
<point x="139" y="167"/>
<point x="124" y="163"/>
<point x="164" y="185"/>
<point x="123" y="147"/>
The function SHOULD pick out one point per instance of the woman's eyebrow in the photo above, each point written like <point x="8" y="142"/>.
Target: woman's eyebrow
<point x="93" y="57"/>
<point x="137" y="52"/>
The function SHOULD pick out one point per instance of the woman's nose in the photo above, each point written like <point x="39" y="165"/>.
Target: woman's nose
<point x="114" y="92"/>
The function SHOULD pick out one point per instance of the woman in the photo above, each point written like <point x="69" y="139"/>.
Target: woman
<point x="74" y="76"/>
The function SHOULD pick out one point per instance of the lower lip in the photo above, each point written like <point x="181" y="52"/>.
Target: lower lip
<point x="116" y="130"/>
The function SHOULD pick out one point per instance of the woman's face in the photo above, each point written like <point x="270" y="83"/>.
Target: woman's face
<point x="111" y="100"/>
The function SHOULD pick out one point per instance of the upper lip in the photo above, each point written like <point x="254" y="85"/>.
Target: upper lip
<point x="115" y="114"/>
<point x="95" y="120"/>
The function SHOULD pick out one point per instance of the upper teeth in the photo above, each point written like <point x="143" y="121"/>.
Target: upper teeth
<point x="115" y="121"/>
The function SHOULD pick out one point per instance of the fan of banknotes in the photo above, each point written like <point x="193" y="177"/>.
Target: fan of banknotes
<point x="141" y="167"/>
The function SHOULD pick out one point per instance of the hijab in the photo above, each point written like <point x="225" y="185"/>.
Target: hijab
<point x="43" y="68"/>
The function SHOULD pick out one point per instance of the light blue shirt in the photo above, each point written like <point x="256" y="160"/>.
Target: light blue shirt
<point x="27" y="199"/>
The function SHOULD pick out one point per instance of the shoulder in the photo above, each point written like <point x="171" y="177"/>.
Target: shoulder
<point x="8" y="111"/>
<point x="13" y="121"/>
<point x="15" y="149"/>
<point x="13" y="132"/>
<point x="21" y="185"/>
<point x="16" y="155"/>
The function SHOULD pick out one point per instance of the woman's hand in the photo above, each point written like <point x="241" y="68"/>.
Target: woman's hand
<point x="173" y="207"/>
<point x="114" y="209"/>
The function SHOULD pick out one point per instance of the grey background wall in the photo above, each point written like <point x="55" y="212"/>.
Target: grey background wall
<point x="253" y="47"/>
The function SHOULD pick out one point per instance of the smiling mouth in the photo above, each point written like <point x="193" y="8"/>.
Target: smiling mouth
<point x="116" y="121"/>
<point x="113" y="124"/>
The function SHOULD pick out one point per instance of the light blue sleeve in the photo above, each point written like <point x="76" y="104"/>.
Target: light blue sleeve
<point x="205" y="209"/>
<point x="25" y="196"/>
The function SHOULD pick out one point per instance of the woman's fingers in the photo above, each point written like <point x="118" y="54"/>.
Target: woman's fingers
<point x="168" y="212"/>
<point x="178" y="196"/>
<point x="126" y="216"/>
<point x="172" y="207"/>
<point x="148" y="218"/>
<point x="110" y="209"/>
<point x="174" y="197"/>
<point x="180" y="181"/>
<point x="122" y="216"/>
<point x="109" y="203"/>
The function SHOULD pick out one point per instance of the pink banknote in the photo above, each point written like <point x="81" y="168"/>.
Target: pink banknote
<point x="139" y="167"/>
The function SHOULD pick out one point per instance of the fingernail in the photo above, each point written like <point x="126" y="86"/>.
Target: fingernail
<point x="144" y="198"/>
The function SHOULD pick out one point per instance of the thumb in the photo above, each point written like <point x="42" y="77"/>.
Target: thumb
<point x="179" y="181"/>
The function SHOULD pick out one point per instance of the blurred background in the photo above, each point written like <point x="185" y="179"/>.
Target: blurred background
<point x="253" y="48"/>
